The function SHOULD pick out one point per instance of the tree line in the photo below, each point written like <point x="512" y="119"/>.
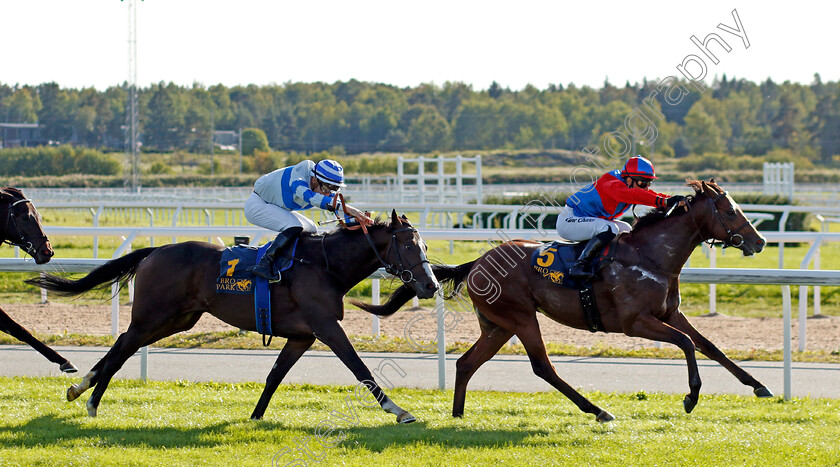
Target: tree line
<point x="732" y="116"/>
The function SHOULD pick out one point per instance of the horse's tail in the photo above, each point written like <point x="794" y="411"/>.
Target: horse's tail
<point x="115" y="271"/>
<point x="449" y="276"/>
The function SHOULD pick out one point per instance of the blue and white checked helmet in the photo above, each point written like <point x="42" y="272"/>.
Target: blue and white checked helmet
<point x="330" y="171"/>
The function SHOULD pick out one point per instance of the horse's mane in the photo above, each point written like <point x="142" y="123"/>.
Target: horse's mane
<point x="655" y="215"/>
<point x="378" y="223"/>
<point x="10" y="192"/>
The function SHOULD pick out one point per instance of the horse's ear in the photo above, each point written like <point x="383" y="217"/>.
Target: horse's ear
<point x="712" y="181"/>
<point x="395" y="220"/>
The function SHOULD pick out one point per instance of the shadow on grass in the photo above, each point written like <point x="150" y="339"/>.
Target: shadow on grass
<point x="49" y="430"/>
<point x="379" y="438"/>
<point x="54" y="431"/>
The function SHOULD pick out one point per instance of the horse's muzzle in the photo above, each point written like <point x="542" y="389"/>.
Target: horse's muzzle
<point x="753" y="247"/>
<point x="427" y="290"/>
<point x="43" y="254"/>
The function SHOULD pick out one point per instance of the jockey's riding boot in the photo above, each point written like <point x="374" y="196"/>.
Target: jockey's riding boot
<point x="590" y="251"/>
<point x="265" y="268"/>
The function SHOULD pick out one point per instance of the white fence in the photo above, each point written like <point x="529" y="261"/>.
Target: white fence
<point x="439" y="186"/>
<point x="778" y="179"/>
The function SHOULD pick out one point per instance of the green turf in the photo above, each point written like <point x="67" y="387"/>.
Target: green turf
<point x="183" y="423"/>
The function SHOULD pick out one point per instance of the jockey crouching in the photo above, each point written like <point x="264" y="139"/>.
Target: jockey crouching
<point x="277" y="195"/>
<point x="593" y="212"/>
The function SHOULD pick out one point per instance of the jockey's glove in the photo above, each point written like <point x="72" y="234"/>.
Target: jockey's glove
<point x="674" y="200"/>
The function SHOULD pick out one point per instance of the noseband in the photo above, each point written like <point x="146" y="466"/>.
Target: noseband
<point x="25" y="243"/>
<point x="733" y="238"/>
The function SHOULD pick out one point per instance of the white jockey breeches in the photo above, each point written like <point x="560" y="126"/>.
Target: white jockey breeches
<point x="578" y="229"/>
<point x="273" y="217"/>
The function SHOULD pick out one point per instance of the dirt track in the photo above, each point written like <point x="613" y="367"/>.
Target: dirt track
<point x="726" y="332"/>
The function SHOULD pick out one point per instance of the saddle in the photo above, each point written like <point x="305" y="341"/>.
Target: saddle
<point x="553" y="261"/>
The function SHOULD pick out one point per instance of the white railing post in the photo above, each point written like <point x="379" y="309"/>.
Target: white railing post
<point x="712" y="287"/>
<point x="440" y="306"/>
<point x="786" y="337"/>
<point x="374" y="299"/>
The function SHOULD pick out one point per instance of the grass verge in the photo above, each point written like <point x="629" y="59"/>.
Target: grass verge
<point x="183" y="423"/>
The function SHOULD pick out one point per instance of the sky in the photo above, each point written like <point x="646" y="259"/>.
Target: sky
<point x="84" y="43"/>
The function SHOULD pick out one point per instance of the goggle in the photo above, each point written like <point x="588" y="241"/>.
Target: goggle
<point x="331" y="188"/>
<point x="642" y="182"/>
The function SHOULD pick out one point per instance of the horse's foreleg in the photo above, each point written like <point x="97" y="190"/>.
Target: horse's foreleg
<point x="679" y="321"/>
<point x="8" y="325"/>
<point x="290" y="354"/>
<point x="531" y="339"/>
<point x="332" y="334"/>
<point x="649" y="327"/>
<point x="484" y="349"/>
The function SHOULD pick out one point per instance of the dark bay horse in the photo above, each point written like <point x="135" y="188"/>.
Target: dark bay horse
<point x="20" y="226"/>
<point x="637" y="293"/>
<point x="175" y="284"/>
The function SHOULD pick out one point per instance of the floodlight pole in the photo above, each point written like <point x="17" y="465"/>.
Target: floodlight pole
<point x="131" y="139"/>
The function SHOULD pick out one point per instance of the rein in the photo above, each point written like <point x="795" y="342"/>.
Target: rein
<point x="24" y="243"/>
<point x="402" y="272"/>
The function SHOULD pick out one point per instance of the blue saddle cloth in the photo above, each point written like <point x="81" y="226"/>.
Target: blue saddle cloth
<point x="236" y="276"/>
<point x="553" y="260"/>
<point x="237" y="262"/>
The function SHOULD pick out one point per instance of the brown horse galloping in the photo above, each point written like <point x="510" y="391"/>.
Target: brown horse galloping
<point x="637" y="293"/>
<point x="175" y="284"/>
<point x="21" y="227"/>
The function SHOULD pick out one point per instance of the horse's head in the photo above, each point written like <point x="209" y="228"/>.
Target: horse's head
<point x="406" y="257"/>
<point x="22" y="225"/>
<point x="726" y="221"/>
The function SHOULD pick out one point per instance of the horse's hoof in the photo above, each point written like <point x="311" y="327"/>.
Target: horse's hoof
<point x="68" y="367"/>
<point x="72" y="392"/>
<point x="689" y="403"/>
<point x="405" y="417"/>
<point x="91" y="410"/>
<point x="763" y="392"/>
<point x="604" y="417"/>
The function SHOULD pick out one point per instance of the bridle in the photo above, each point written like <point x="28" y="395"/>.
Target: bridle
<point x="401" y="271"/>
<point x="733" y="238"/>
<point x="25" y="243"/>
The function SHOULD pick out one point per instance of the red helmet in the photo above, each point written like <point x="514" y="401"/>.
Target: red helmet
<point x="638" y="167"/>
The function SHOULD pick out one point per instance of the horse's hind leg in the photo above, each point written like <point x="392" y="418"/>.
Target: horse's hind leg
<point x="8" y="325"/>
<point x="290" y="354"/>
<point x="679" y="321"/>
<point x="531" y="339"/>
<point x="649" y="327"/>
<point x="484" y="348"/>
<point x="127" y="344"/>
